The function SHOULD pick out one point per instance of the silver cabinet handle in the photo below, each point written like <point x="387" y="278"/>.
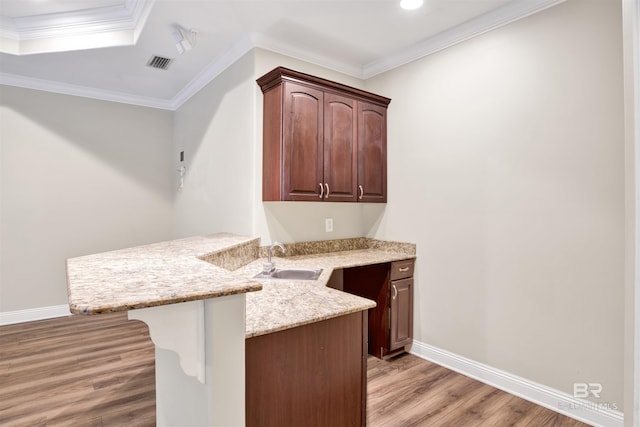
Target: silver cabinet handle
<point x="321" y="191"/>
<point x="361" y="192"/>
<point x="327" y="185"/>
<point x="395" y="291"/>
<point x="403" y="269"/>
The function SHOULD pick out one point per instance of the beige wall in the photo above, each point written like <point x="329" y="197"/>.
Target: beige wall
<point x="506" y="167"/>
<point x="215" y="129"/>
<point x="631" y="43"/>
<point x="77" y="176"/>
<point x="220" y="130"/>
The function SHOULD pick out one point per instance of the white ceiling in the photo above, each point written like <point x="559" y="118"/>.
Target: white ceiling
<point x="358" y="37"/>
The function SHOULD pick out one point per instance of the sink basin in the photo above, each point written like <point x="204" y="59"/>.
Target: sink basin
<point x="292" y="274"/>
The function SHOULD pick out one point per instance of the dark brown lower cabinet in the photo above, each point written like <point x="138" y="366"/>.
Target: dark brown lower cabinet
<point x="390" y="285"/>
<point x="311" y="375"/>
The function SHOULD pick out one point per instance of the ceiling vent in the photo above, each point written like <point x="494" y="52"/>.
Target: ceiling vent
<point x="159" y="62"/>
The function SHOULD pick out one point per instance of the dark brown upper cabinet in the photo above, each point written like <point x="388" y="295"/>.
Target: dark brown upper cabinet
<point x="322" y="140"/>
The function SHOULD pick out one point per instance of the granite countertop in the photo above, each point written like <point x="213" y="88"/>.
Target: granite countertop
<point x="225" y="264"/>
<point x="158" y="274"/>
<point x="284" y="304"/>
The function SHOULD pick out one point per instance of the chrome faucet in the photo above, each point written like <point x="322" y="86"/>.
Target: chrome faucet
<point x="270" y="266"/>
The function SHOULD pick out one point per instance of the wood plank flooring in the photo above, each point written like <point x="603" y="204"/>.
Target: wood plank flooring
<point x="99" y="371"/>
<point x="77" y="371"/>
<point x="409" y="391"/>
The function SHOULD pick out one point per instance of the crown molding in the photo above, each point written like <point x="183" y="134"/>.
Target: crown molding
<point x="502" y="16"/>
<point x="211" y="71"/>
<point x="82" y="91"/>
<point x="499" y="17"/>
<point x="242" y="47"/>
<point x="83" y="29"/>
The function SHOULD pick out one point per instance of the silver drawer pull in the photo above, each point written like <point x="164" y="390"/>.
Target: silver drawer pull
<point x="395" y="291"/>
<point x="361" y="192"/>
<point x="321" y="191"/>
<point x="403" y="269"/>
<point x="327" y="185"/>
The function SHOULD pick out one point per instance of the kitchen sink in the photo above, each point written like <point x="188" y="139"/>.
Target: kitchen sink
<point x="292" y="274"/>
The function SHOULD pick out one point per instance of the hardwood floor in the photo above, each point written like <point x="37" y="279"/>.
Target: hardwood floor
<point x="99" y="371"/>
<point x="77" y="371"/>
<point x="409" y="391"/>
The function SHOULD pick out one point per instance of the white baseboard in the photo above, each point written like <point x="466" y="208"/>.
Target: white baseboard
<point x="31" y="314"/>
<point x="555" y="400"/>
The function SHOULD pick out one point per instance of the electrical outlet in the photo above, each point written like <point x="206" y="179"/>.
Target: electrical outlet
<point x="328" y="225"/>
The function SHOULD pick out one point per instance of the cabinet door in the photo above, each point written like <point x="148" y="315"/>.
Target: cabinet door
<point x="314" y="375"/>
<point x="340" y="153"/>
<point x="372" y="153"/>
<point x="401" y="313"/>
<point x="302" y="142"/>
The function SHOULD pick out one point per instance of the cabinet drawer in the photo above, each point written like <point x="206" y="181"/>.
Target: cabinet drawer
<point x="402" y="269"/>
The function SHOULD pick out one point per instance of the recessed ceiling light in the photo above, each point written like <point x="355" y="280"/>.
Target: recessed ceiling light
<point x="410" y="4"/>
